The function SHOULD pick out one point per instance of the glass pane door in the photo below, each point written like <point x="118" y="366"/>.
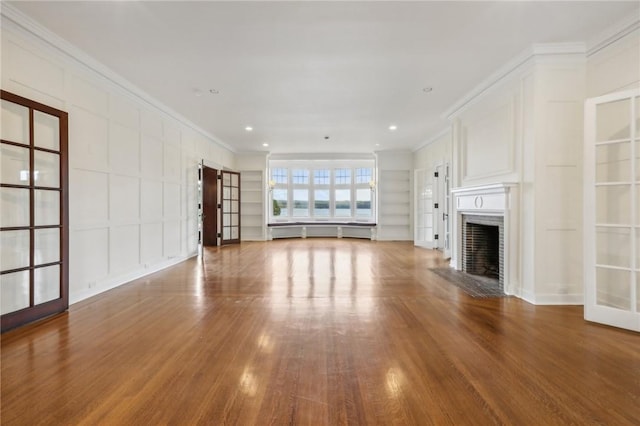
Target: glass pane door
<point x="612" y="210"/>
<point x="230" y="208"/>
<point x="424" y="208"/>
<point x="33" y="211"/>
<point x="445" y="209"/>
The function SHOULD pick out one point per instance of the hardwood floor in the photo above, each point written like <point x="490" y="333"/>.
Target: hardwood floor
<point x="316" y="332"/>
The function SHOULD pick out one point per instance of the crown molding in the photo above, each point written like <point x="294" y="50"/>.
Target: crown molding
<point x="27" y="26"/>
<point x="433" y="138"/>
<point x="612" y="34"/>
<point x="516" y="64"/>
<point x="321" y="156"/>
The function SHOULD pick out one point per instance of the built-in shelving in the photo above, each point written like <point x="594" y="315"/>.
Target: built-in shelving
<point x="251" y="205"/>
<point x="394" y="217"/>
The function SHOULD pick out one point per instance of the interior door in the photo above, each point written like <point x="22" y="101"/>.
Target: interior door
<point x="446" y="206"/>
<point x="424" y="208"/>
<point x="612" y="209"/>
<point x="209" y="206"/>
<point x="438" y="220"/>
<point x="34" y="218"/>
<point x="230" y="208"/>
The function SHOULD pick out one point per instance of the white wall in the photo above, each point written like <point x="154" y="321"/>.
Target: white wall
<point x="133" y="165"/>
<point x="558" y="138"/>
<point x="487" y="137"/>
<point x="437" y="151"/>
<point x="251" y="161"/>
<point x="614" y="67"/>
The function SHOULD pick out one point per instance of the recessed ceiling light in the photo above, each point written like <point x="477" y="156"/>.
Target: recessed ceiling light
<point x="198" y="92"/>
<point x="214" y="91"/>
<point x="393" y="127"/>
<point x="377" y="144"/>
<point x="248" y="128"/>
<point x="265" y="144"/>
<point x="427" y="89"/>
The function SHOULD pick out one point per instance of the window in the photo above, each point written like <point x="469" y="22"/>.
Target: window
<point x="321" y="177"/>
<point x="343" y="203"/>
<point x="343" y="176"/>
<point x="321" y="206"/>
<point x="363" y="176"/>
<point x="279" y="176"/>
<point x="300" y="202"/>
<point x="280" y="202"/>
<point x="363" y="202"/>
<point x="300" y="177"/>
<point x="322" y="189"/>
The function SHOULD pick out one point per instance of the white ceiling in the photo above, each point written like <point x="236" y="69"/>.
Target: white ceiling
<point x="299" y="71"/>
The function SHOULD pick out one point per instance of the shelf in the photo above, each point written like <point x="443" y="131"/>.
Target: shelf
<point x="251" y="175"/>
<point x="251" y="221"/>
<point x="395" y="221"/>
<point x="251" y="186"/>
<point x="250" y="197"/>
<point x="397" y="198"/>
<point x="395" y="204"/>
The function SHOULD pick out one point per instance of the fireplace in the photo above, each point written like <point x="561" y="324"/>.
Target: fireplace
<point x="483" y="246"/>
<point x="485" y="227"/>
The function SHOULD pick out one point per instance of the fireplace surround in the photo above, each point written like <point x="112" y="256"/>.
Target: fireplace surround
<point x="485" y="228"/>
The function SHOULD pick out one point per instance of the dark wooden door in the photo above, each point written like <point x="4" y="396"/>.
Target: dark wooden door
<point x="34" y="219"/>
<point x="209" y="206"/>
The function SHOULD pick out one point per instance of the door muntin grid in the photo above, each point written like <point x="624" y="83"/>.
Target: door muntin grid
<point x="33" y="223"/>
<point x="617" y="211"/>
<point x="230" y="207"/>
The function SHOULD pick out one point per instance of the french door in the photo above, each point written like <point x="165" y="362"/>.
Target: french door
<point x="34" y="219"/>
<point x="424" y="231"/>
<point x="446" y="206"/>
<point x="612" y="210"/>
<point x="230" y="208"/>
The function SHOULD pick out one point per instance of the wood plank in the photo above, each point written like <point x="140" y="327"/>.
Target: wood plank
<point x="316" y="332"/>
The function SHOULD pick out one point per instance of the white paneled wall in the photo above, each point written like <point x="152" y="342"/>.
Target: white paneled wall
<point x="486" y="139"/>
<point x="614" y="67"/>
<point x="559" y="100"/>
<point x="133" y="165"/>
<point x="527" y="129"/>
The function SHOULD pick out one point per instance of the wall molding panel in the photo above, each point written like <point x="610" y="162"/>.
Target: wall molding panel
<point x="133" y="164"/>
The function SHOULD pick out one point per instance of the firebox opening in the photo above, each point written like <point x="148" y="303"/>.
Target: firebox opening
<point x="483" y="246"/>
<point x="484" y="250"/>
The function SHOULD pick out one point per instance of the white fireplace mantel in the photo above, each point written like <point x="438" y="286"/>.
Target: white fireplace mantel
<point x="485" y="199"/>
<point x="500" y="199"/>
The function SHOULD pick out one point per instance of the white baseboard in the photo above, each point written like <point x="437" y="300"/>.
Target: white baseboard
<point x="553" y="299"/>
<point x="113" y="282"/>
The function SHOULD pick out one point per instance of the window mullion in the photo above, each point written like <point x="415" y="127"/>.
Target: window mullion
<point x="311" y="195"/>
